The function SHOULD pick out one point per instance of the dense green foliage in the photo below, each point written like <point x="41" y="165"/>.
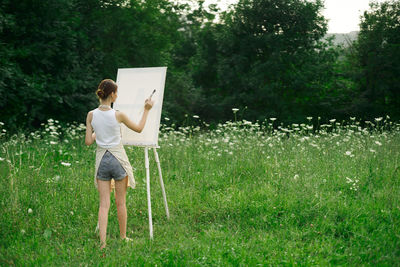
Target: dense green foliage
<point x="265" y="57"/>
<point x="379" y="58"/>
<point x="243" y="194"/>
<point x="54" y="53"/>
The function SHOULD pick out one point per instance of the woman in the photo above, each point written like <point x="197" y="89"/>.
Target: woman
<point x="111" y="159"/>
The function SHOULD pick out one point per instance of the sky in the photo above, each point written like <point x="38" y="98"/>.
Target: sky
<point x="343" y="15"/>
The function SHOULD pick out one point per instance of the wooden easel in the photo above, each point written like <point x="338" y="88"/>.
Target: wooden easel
<point x="147" y="166"/>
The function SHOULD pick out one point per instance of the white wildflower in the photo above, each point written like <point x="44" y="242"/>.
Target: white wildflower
<point x="53" y="143"/>
<point x="235" y="110"/>
<point x="196" y="117"/>
<point x="65" y="164"/>
<point x="378" y="119"/>
<point x="332" y="120"/>
<point x="296" y="176"/>
<point x="272" y="119"/>
<point x="378" y="143"/>
<point x="22" y="231"/>
<point x="30" y="210"/>
<point x="309" y="118"/>
<point x="1" y="159"/>
<point x="373" y="151"/>
<point x="314" y="145"/>
<point x="348" y="153"/>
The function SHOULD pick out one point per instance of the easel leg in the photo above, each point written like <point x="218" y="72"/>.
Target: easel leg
<point x="146" y="159"/>
<point x="161" y="182"/>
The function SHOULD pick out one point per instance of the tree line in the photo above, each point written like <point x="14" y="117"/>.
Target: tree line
<point x="267" y="58"/>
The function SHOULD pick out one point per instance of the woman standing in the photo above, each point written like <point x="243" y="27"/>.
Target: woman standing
<point x="103" y="125"/>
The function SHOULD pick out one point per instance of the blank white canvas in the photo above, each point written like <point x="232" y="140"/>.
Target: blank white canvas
<point x="135" y="85"/>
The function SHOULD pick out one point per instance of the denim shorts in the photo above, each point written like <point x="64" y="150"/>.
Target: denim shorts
<point x="110" y="168"/>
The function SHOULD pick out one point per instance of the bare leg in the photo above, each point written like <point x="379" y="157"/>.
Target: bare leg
<point x="104" y="192"/>
<point x="120" y="201"/>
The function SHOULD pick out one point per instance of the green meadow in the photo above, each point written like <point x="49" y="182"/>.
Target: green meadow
<point x="239" y="194"/>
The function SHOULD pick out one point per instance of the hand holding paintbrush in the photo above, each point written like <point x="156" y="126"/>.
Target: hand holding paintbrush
<point x="148" y="104"/>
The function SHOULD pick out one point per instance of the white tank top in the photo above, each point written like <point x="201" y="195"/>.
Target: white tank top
<point x="106" y="127"/>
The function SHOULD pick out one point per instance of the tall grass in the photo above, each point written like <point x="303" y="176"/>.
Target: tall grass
<point x="241" y="194"/>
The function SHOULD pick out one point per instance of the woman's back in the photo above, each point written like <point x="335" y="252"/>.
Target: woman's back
<point x="106" y="127"/>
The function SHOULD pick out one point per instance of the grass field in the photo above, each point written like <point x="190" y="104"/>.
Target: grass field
<point x="242" y="194"/>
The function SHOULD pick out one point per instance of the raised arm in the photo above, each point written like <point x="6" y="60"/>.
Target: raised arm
<point x="90" y="135"/>
<point x="134" y="126"/>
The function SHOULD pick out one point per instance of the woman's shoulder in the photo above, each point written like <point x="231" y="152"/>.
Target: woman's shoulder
<point x="119" y="115"/>
<point x="90" y="114"/>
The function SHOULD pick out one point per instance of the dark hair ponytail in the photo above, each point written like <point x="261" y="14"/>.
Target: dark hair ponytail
<point x="106" y="87"/>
